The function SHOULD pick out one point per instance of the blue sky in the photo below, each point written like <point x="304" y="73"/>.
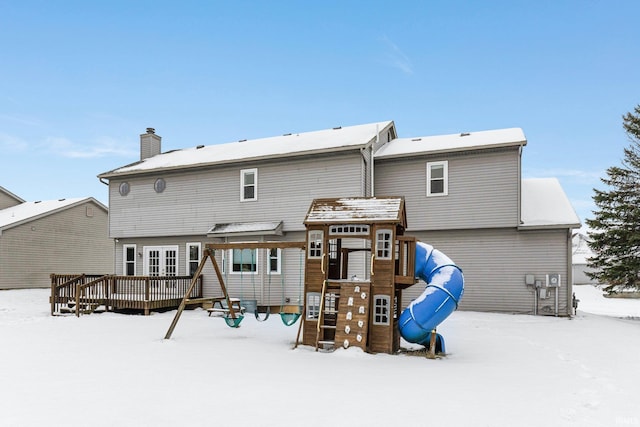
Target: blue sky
<point x="81" y="80"/>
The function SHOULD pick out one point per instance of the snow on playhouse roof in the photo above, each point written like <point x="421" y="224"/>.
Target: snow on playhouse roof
<point x="340" y="138"/>
<point x="356" y="209"/>
<point x="402" y="147"/>
<point x="545" y="205"/>
<point x="28" y="211"/>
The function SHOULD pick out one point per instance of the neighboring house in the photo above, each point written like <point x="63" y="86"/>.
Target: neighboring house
<point x="54" y="236"/>
<point x="463" y="194"/>
<point x="581" y="253"/>
<point x="8" y="199"/>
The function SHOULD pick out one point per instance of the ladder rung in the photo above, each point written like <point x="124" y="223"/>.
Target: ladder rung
<point x="326" y="342"/>
<point x="329" y="311"/>
<point x="328" y="326"/>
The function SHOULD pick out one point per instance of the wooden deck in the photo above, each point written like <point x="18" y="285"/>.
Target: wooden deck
<point x="83" y="293"/>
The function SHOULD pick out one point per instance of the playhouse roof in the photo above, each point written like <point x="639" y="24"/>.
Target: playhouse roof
<point x="292" y="144"/>
<point x="402" y="147"/>
<point x="357" y="210"/>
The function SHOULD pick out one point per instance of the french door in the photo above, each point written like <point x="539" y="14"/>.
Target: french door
<point x="160" y="260"/>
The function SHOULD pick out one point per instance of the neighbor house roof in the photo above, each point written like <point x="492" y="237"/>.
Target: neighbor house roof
<point x="295" y="144"/>
<point x="356" y="209"/>
<point x="404" y="147"/>
<point x="29" y="211"/>
<point x="10" y="194"/>
<point x="545" y="205"/>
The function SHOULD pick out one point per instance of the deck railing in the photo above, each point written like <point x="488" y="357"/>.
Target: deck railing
<point x="83" y="294"/>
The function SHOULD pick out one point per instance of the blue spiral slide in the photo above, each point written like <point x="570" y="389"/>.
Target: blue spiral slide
<point x="445" y="286"/>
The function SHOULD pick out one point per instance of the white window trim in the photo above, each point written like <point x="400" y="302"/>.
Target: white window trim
<point x="445" y="174"/>
<point x="379" y="242"/>
<point x="279" y="262"/>
<point x="146" y="251"/>
<point x="188" y="254"/>
<point x="243" y="173"/>
<point x="313" y="310"/>
<point x="387" y="298"/>
<point x="321" y="248"/>
<point x="257" y="259"/>
<point x="124" y="259"/>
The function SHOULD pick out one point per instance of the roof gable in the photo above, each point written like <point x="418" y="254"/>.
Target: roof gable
<point x="404" y="147"/>
<point x="10" y="195"/>
<point x="329" y="140"/>
<point x="357" y="210"/>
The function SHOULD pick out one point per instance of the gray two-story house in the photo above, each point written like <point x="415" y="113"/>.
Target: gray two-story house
<point x="464" y="194"/>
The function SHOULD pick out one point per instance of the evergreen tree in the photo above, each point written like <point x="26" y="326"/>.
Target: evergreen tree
<point x="615" y="235"/>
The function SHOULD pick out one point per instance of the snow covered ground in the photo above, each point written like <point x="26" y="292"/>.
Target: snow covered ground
<point x="501" y="370"/>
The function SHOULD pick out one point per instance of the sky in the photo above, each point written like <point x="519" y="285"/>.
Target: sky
<point x="80" y="81"/>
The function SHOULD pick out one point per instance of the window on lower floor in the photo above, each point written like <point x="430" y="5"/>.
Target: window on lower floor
<point x="193" y="258"/>
<point x="381" y="309"/>
<point x="129" y="260"/>
<point x="244" y="261"/>
<point x="275" y="261"/>
<point x="313" y="305"/>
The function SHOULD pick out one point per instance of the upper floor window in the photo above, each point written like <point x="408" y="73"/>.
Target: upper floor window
<point x="315" y="243"/>
<point x="193" y="258"/>
<point x="437" y="178"/>
<point x="248" y="184"/>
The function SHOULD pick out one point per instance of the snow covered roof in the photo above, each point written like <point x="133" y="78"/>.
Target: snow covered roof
<point x="28" y="211"/>
<point x="336" y="139"/>
<point x="356" y="210"/>
<point x="545" y="205"/>
<point x="402" y="147"/>
<point x="246" y="229"/>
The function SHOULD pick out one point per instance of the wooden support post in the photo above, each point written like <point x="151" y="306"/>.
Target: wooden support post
<point x="431" y="354"/>
<point x="194" y="280"/>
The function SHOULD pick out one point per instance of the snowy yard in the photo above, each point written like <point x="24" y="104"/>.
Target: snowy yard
<point x="501" y="370"/>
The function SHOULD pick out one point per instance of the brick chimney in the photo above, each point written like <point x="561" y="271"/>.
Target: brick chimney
<point x="149" y="144"/>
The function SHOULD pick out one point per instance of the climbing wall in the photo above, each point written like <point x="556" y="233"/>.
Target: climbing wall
<point x="353" y="315"/>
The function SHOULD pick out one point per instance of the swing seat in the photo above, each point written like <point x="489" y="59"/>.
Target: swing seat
<point x="289" y="318"/>
<point x="265" y="313"/>
<point x="234" y="323"/>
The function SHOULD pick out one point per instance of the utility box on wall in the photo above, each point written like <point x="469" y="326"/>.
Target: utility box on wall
<point x="553" y="280"/>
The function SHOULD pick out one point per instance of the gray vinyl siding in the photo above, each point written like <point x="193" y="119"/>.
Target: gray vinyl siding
<point x="494" y="263"/>
<point x="194" y="201"/>
<point x="266" y="290"/>
<point x="483" y="190"/>
<point x="67" y="241"/>
<point x="6" y="201"/>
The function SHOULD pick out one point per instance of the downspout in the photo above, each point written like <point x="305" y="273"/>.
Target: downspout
<point x="519" y="185"/>
<point x="569" y="274"/>
<point x="373" y="193"/>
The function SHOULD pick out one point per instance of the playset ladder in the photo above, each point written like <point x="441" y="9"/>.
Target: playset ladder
<point x="327" y="315"/>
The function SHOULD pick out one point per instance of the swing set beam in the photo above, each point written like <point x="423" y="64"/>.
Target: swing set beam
<point x="256" y="245"/>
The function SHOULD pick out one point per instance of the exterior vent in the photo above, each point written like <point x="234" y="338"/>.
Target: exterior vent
<point x="286" y="134"/>
<point x="338" y="127"/>
<point x="199" y="147"/>
<point x="417" y="139"/>
<point x="241" y="140"/>
<point x="465" y="134"/>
